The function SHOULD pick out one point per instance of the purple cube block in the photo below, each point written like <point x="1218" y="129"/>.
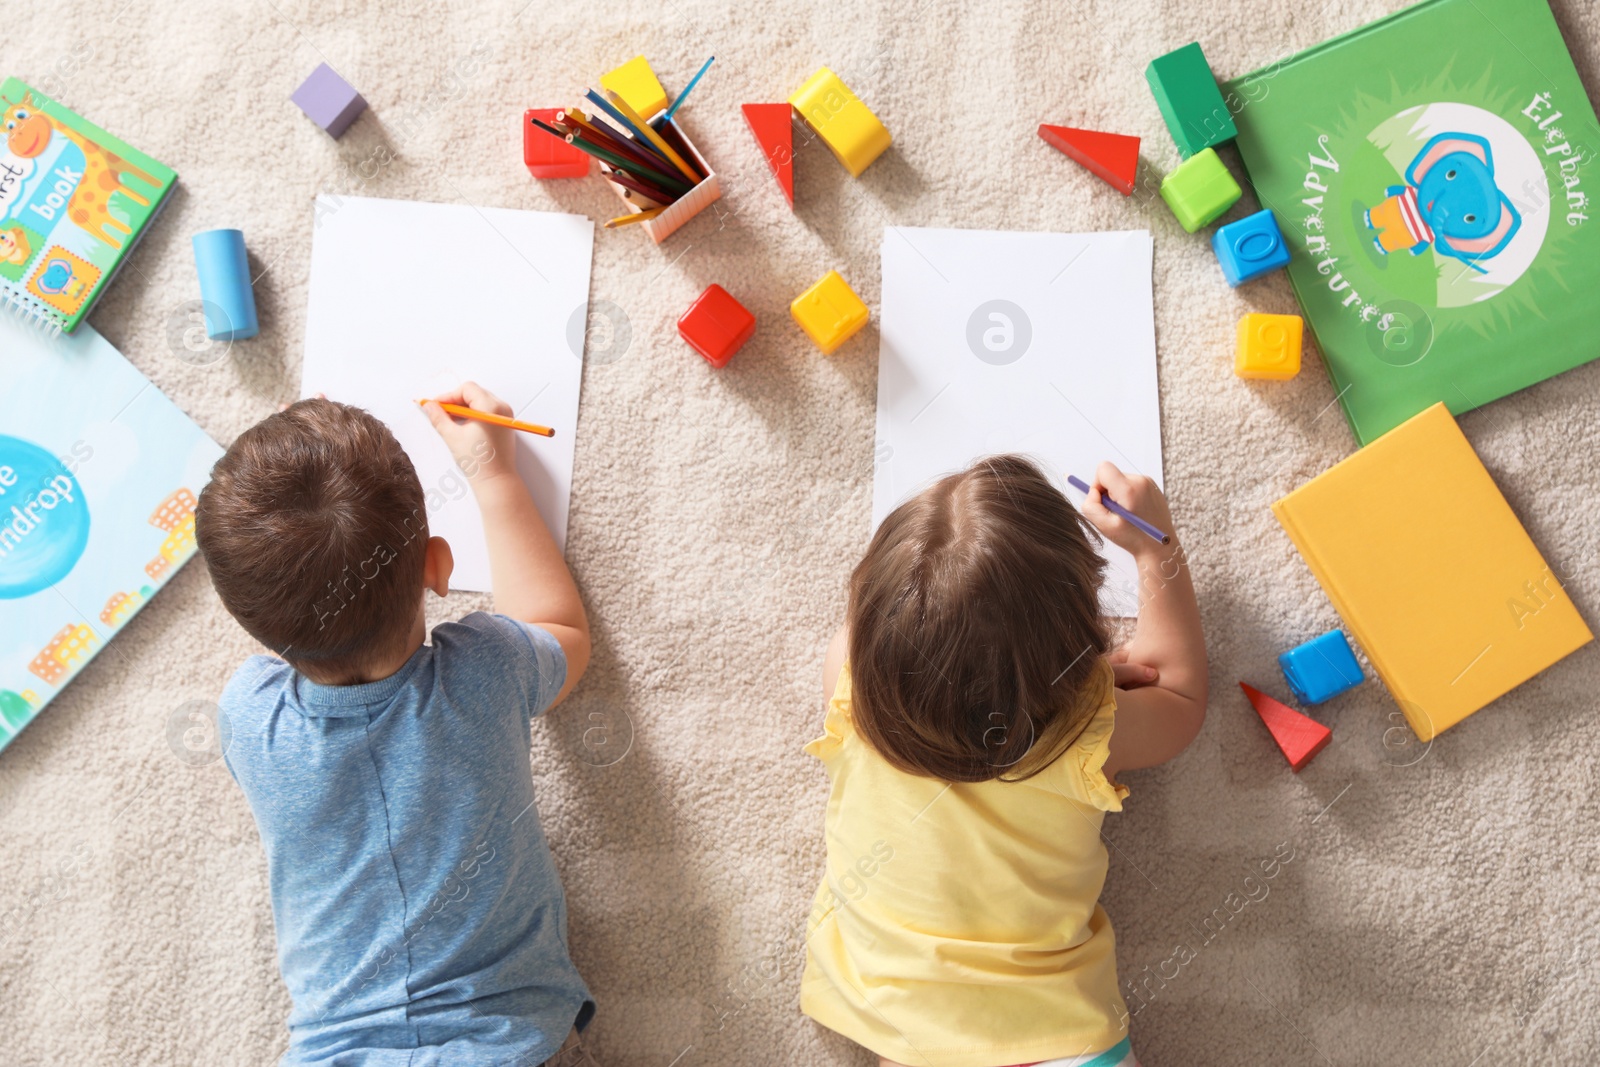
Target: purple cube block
<point x="328" y="100"/>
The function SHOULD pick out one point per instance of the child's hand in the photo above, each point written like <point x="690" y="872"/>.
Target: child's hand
<point x="529" y="579"/>
<point x="482" y="450"/>
<point x="1136" y="493"/>
<point x="1127" y="675"/>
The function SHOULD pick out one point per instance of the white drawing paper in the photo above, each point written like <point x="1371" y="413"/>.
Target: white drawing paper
<point x="1038" y="343"/>
<point x="411" y="298"/>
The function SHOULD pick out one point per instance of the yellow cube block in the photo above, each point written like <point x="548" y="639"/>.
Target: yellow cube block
<point x="846" y="125"/>
<point x="830" y="312"/>
<point x="1269" y="347"/>
<point x="636" y="83"/>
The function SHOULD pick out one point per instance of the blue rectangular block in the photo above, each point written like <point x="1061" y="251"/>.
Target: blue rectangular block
<point x="1321" y="668"/>
<point x="1250" y="247"/>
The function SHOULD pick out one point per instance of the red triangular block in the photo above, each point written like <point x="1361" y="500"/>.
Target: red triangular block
<point x="1298" y="736"/>
<point x="1111" y="156"/>
<point x="774" y="131"/>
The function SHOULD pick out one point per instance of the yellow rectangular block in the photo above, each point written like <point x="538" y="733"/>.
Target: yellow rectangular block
<point x="830" y="312"/>
<point x="846" y="125"/>
<point x="1268" y="346"/>
<point x="636" y="83"/>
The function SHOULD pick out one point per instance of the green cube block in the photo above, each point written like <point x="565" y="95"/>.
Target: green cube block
<point x="1187" y="94"/>
<point x="1200" y="190"/>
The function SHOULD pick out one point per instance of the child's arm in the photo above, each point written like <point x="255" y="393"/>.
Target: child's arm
<point x="529" y="578"/>
<point x="833" y="662"/>
<point x="1157" y="721"/>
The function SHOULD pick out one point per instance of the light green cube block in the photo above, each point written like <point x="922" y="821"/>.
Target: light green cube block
<point x="1200" y="190"/>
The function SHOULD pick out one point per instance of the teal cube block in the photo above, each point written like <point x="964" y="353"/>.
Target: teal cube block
<point x="1200" y="190"/>
<point x="1187" y="94"/>
<point x="1321" y="668"/>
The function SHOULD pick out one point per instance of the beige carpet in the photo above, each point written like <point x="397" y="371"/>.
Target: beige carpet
<point x="1441" y="912"/>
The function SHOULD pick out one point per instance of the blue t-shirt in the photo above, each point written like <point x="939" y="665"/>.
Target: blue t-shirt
<point x="420" y="918"/>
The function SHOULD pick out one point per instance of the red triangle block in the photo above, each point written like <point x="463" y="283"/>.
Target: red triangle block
<point x="1299" y="736"/>
<point x="774" y="130"/>
<point x="1111" y="156"/>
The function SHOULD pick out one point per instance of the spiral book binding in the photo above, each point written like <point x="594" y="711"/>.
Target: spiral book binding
<point x="20" y="305"/>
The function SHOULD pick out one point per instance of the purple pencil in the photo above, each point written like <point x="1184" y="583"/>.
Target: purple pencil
<point x="1117" y="509"/>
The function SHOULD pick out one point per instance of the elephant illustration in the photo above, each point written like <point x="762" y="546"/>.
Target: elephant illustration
<point x="1450" y="201"/>
<point x="57" y="279"/>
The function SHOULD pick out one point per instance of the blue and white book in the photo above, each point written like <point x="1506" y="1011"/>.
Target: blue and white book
<point x="99" y="474"/>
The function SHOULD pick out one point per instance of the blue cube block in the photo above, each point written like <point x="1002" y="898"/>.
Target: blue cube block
<point x="1321" y="668"/>
<point x="1250" y="247"/>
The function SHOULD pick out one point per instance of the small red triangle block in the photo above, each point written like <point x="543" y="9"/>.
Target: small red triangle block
<point x="774" y="130"/>
<point x="1113" y="157"/>
<point x="1299" y="736"/>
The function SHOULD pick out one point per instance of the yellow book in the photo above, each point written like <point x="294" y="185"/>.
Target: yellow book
<point x="1432" y="572"/>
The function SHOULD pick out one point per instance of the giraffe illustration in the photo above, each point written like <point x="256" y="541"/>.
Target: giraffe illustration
<point x="28" y="131"/>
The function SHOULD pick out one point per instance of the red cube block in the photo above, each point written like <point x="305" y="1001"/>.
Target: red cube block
<point x="716" y="325"/>
<point x="545" y="154"/>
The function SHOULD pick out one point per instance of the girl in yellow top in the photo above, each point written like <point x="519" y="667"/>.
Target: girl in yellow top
<point x="970" y="746"/>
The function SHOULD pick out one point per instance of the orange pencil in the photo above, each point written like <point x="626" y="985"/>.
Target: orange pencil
<point x="498" y="420"/>
<point x="637" y="216"/>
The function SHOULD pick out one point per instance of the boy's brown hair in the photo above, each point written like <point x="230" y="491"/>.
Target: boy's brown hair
<point x="975" y="626"/>
<point x="314" y="529"/>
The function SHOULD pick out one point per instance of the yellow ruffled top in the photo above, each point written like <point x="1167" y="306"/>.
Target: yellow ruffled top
<point x="959" y="924"/>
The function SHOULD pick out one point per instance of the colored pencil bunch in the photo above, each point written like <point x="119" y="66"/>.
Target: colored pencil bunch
<point x="632" y="154"/>
<point x="650" y="161"/>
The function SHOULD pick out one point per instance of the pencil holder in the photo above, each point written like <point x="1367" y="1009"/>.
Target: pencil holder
<point x="686" y="206"/>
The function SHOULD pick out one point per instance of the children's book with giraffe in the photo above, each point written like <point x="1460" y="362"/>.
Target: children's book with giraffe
<point x="99" y="475"/>
<point x="74" y="201"/>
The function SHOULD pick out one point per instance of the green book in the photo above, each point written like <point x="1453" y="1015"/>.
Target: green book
<point x="1433" y="175"/>
<point x="74" y="201"/>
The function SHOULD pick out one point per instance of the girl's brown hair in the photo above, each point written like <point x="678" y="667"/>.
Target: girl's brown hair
<point x="975" y="626"/>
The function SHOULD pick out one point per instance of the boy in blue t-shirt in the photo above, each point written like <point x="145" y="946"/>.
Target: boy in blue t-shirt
<point x="419" y="916"/>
